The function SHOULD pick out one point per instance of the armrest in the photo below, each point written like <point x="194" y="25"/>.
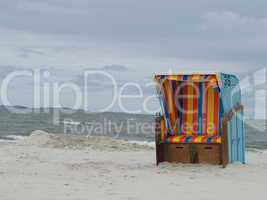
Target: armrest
<point x="158" y="120"/>
<point x="159" y="155"/>
<point x="229" y="115"/>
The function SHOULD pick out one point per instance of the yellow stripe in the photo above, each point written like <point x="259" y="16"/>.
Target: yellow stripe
<point x="177" y="139"/>
<point x="196" y="77"/>
<point x="198" y="139"/>
<point x="190" y="109"/>
<point x="210" y="111"/>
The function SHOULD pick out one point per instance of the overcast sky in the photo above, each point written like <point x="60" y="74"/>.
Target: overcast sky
<point x="138" y="38"/>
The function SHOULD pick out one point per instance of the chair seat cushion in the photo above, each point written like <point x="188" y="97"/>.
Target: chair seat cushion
<point x="194" y="139"/>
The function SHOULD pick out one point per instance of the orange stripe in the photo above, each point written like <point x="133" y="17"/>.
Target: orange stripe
<point x="190" y="77"/>
<point x="213" y="140"/>
<point x="216" y="113"/>
<point x="195" y="109"/>
<point x="192" y="139"/>
<point x="205" y="109"/>
<point x="210" y="110"/>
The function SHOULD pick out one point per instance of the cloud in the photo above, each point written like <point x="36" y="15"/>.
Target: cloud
<point x="206" y="33"/>
<point x="233" y="23"/>
<point x="110" y="68"/>
<point x="49" y="7"/>
<point x="27" y="52"/>
<point x="114" y="68"/>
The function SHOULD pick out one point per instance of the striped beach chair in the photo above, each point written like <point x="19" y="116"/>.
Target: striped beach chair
<point x="197" y="119"/>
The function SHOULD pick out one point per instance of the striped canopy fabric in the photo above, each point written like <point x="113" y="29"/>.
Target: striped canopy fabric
<point x="192" y="108"/>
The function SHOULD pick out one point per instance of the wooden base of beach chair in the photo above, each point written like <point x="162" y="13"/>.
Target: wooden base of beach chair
<point x="189" y="153"/>
<point x="209" y="153"/>
<point x="177" y="153"/>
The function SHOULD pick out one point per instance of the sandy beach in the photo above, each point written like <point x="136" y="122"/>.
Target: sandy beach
<point x="49" y="167"/>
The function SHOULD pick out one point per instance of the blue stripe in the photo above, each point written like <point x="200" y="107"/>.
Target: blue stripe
<point x="200" y="102"/>
<point x="185" y="77"/>
<point x="187" y="139"/>
<point x="162" y="77"/>
<point x="209" y="140"/>
<point x="217" y="89"/>
<point x="166" y="140"/>
<point x="220" y="116"/>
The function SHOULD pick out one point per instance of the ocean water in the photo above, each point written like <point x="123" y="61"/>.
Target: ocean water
<point x="131" y="127"/>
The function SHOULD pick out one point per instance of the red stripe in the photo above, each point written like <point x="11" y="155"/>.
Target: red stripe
<point x="185" y="109"/>
<point x="165" y="92"/>
<point x="170" y="104"/>
<point x="175" y="115"/>
<point x="171" y="139"/>
<point x="204" y="139"/>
